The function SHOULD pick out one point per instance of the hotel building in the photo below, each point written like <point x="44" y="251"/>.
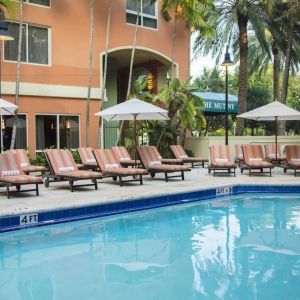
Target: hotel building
<point x="55" y="59"/>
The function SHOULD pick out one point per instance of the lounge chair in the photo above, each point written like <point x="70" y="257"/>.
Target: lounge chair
<point x="270" y="150"/>
<point x="180" y="153"/>
<point x="254" y="159"/>
<point x="221" y="160"/>
<point x="63" y="168"/>
<point x="292" y="158"/>
<point x="124" y="157"/>
<point x="153" y="164"/>
<point x="87" y="158"/>
<point x="25" y="163"/>
<point x="167" y="161"/>
<point x="110" y="167"/>
<point x="11" y="174"/>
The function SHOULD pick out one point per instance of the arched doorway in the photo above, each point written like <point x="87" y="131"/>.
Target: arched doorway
<point x="146" y="62"/>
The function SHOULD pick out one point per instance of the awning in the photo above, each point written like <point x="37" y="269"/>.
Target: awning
<point x="215" y="102"/>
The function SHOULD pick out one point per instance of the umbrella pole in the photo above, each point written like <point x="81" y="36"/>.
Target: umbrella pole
<point x="276" y="127"/>
<point x="135" y="138"/>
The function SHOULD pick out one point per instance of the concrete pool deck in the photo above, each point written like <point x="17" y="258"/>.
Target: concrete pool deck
<point x="58" y="195"/>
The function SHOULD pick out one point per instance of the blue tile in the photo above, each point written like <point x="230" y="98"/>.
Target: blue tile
<point x="5" y="222"/>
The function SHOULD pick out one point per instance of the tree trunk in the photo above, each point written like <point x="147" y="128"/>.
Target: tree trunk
<point x="243" y="72"/>
<point x="286" y="72"/>
<point x="101" y="121"/>
<point x="18" y="77"/>
<point x="130" y="71"/>
<point x="90" y="75"/>
<point x="276" y="72"/>
<point x="173" y="47"/>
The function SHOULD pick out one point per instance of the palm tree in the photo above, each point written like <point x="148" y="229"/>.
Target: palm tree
<point x="232" y="20"/>
<point x="191" y="11"/>
<point x="101" y="122"/>
<point x="90" y="74"/>
<point x="292" y="16"/>
<point x="9" y="5"/>
<point x="18" y="79"/>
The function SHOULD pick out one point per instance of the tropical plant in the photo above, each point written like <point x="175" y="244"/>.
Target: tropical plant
<point x="232" y="20"/>
<point x="291" y="15"/>
<point x="257" y="96"/>
<point x="184" y="110"/>
<point x="90" y="74"/>
<point x="18" y="77"/>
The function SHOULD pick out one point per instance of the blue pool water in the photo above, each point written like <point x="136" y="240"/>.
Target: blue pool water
<point x="240" y="247"/>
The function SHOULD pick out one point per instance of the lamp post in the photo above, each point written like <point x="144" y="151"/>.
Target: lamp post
<point x="4" y="36"/>
<point x="226" y="63"/>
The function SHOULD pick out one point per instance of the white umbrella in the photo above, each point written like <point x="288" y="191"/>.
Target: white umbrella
<point x="7" y="108"/>
<point x="274" y="111"/>
<point x="133" y="109"/>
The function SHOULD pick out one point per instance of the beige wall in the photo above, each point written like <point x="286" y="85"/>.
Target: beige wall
<point x="200" y="145"/>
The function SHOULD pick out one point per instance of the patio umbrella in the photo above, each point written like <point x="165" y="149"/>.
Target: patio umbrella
<point x="133" y="110"/>
<point x="6" y="109"/>
<point x="274" y="111"/>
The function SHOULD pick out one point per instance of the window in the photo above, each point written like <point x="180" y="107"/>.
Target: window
<point x="38" y="2"/>
<point x="35" y="44"/>
<point x="148" y="13"/>
<point x="7" y="128"/>
<point x="57" y="131"/>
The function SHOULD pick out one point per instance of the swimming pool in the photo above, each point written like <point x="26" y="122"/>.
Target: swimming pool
<point x="245" y="246"/>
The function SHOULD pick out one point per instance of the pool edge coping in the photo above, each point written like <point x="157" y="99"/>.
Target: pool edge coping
<point x="12" y="222"/>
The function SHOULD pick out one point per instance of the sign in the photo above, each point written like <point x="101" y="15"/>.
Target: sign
<point x="224" y="191"/>
<point x="215" y="102"/>
<point x="28" y="219"/>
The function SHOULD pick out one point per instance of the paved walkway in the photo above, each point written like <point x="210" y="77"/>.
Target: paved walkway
<point x="58" y="196"/>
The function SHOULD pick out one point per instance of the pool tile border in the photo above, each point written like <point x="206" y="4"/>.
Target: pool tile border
<point x="79" y="213"/>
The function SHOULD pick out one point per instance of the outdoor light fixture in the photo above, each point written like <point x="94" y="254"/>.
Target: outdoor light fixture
<point x="150" y="81"/>
<point x="226" y="63"/>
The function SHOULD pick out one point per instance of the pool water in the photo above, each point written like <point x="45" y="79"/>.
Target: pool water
<point x="241" y="247"/>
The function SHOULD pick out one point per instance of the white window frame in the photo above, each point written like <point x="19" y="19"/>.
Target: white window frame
<point x="142" y="15"/>
<point x="31" y="63"/>
<point x="35" y="4"/>
<point x="57" y="128"/>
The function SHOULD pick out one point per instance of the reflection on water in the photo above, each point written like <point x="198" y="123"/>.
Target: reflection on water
<point x="243" y="247"/>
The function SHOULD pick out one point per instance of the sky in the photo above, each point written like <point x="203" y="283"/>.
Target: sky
<point x="197" y="65"/>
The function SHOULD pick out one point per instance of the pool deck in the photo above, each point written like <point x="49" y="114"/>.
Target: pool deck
<point x="58" y="195"/>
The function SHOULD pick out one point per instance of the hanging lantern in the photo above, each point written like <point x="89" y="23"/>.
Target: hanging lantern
<point x="150" y="81"/>
<point x="179" y="10"/>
